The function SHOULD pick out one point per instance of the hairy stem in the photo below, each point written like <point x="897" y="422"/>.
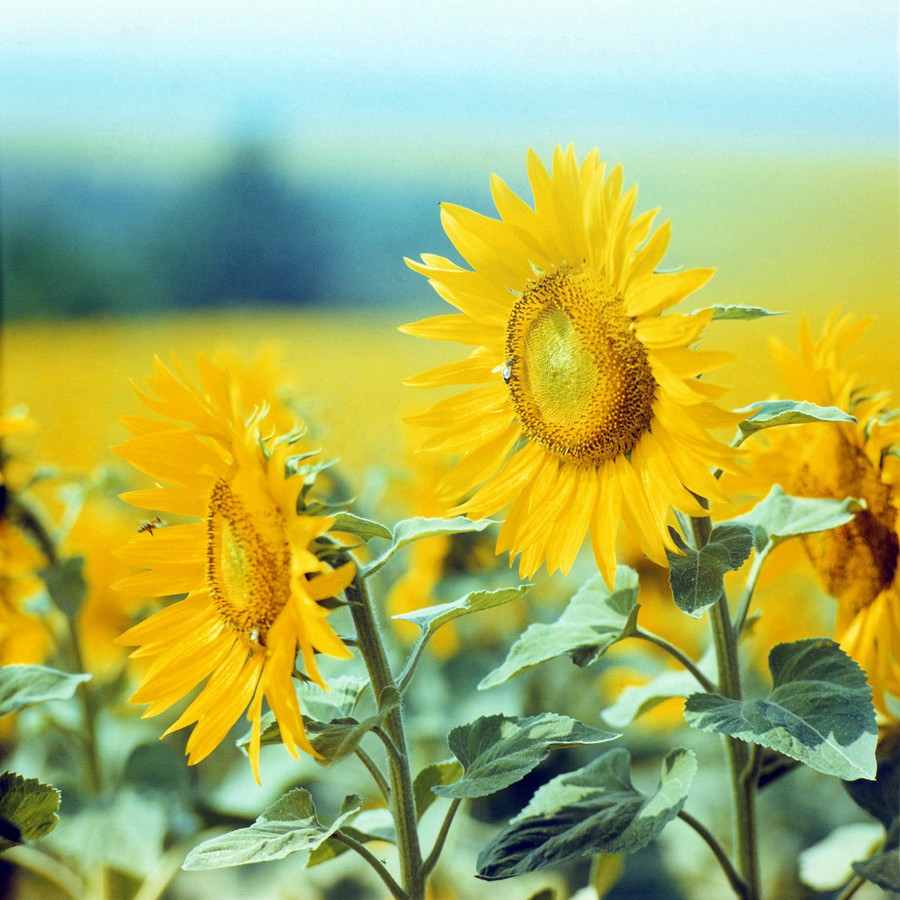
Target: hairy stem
<point x="373" y="861"/>
<point x="403" y="804"/>
<point x="743" y="787"/>
<point x="431" y="862"/>
<point x="375" y="772"/>
<point x="740" y="617"/>
<point x="677" y="654"/>
<point x="734" y="879"/>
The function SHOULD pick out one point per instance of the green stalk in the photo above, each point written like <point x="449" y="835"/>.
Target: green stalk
<point x="402" y="798"/>
<point x="742" y="773"/>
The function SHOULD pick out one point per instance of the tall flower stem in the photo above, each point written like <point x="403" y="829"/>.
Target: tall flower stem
<point x="742" y="773"/>
<point x="403" y="801"/>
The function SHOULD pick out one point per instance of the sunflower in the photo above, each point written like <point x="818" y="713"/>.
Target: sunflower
<point x="251" y="567"/>
<point x="588" y="409"/>
<point x="857" y="564"/>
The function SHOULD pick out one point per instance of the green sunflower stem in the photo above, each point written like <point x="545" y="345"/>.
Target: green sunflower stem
<point x="742" y="765"/>
<point x="402" y="799"/>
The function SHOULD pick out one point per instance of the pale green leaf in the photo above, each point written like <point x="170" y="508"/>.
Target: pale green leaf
<point x="24" y="685"/>
<point x="370" y="825"/>
<point x="736" y="311"/>
<point x="774" y="413"/>
<point x="779" y="516"/>
<point x="289" y="825"/>
<point x="593" y="810"/>
<point x="819" y="711"/>
<point x="409" y="530"/>
<point x="828" y="864"/>
<point x="592" y="622"/>
<point x="697" y="576"/>
<point x="27" y="809"/>
<point x="497" y="751"/>
<point x="430" y="618"/>
<point x="440" y="773"/>
<point x="364" y="529"/>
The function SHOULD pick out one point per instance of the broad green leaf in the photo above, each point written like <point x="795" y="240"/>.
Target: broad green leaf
<point x="736" y="311"/>
<point x="339" y="738"/>
<point x="289" y="825"/>
<point x="819" y="711"/>
<point x="592" y="622"/>
<point x="774" y="413"/>
<point x="27" y="809"/>
<point x="440" y="773"/>
<point x="497" y="751"/>
<point x="364" y="529"/>
<point x="882" y="869"/>
<point x="430" y="618"/>
<point x="828" y="864"/>
<point x="66" y="586"/>
<point x="24" y="685"/>
<point x="409" y="530"/>
<point x="879" y="797"/>
<point x="635" y="700"/>
<point x="779" y="516"/>
<point x="593" y="810"/>
<point x="697" y="577"/>
<point x="370" y="825"/>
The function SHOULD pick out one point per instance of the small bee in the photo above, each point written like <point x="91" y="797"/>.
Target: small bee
<point x="151" y="526"/>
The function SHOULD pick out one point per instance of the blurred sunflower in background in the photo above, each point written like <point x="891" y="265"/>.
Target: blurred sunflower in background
<point x="857" y="564"/>
<point x="588" y="410"/>
<point x="252" y="563"/>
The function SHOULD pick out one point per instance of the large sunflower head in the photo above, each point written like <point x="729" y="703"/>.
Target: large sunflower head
<point x="588" y="409"/>
<point x="254" y="569"/>
<point x="858" y="563"/>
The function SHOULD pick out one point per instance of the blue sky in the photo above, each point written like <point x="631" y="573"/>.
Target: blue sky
<point x="400" y="78"/>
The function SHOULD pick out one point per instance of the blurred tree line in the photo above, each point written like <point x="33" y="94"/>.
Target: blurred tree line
<point x="77" y="241"/>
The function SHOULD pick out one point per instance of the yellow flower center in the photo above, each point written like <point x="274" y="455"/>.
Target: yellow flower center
<point x="248" y="563"/>
<point x="857" y="561"/>
<point x="578" y="376"/>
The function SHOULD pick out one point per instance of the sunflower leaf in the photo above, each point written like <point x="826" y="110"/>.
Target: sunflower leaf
<point x="779" y="516"/>
<point x="593" y="810"/>
<point x="364" y="529"/>
<point x="440" y="773"/>
<point x="24" y="685"/>
<point x="289" y="825"/>
<point x="697" y="577"/>
<point x="430" y="618"/>
<point x="370" y="825"/>
<point x="773" y="413"/>
<point x="66" y="585"/>
<point x="818" y="712"/>
<point x="592" y="622"/>
<point x="736" y="311"/>
<point x="339" y="738"/>
<point x="497" y="751"/>
<point x="882" y="869"/>
<point x="407" y="531"/>
<point x="635" y="700"/>
<point x="879" y="798"/>
<point x="27" y="809"/>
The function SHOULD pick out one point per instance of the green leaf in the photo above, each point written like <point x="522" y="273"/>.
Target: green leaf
<point x="370" y="825"/>
<point x="635" y="700"/>
<point x="25" y="685"/>
<point x="339" y="738"/>
<point x="736" y="311"/>
<point x="879" y="797"/>
<point x="409" y="530"/>
<point x="593" y="810"/>
<point x="497" y="751"/>
<point x="592" y="622"/>
<point x="779" y="516"/>
<point x="430" y="618"/>
<point x="66" y="585"/>
<point x="882" y="869"/>
<point x="289" y="825"/>
<point x="364" y="529"/>
<point x="697" y="577"/>
<point x="773" y="413"/>
<point x="437" y="774"/>
<point x="819" y="711"/>
<point x="27" y="809"/>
